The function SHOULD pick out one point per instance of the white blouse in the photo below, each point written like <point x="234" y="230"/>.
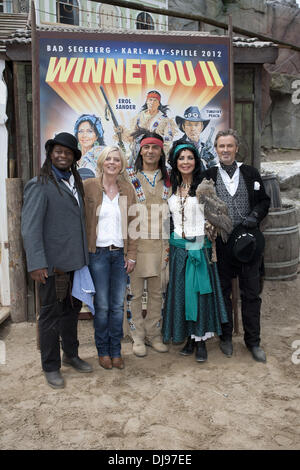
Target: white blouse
<point x="109" y="229"/>
<point x="193" y="216"/>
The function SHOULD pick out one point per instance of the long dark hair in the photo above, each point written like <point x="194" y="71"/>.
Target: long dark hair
<point x="138" y="166"/>
<point x="46" y="172"/>
<point x="175" y="176"/>
<point x="94" y="122"/>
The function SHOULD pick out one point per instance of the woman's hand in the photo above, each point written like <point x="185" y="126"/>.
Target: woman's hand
<point x="129" y="265"/>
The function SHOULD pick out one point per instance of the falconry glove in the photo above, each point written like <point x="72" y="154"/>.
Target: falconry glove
<point x="251" y="221"/>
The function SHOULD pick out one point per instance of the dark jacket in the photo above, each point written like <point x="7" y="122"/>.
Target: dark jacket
<point x="258" y="198"/>
<point x="53" y="227"/>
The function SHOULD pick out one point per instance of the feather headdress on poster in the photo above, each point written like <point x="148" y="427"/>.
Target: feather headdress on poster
<point x="216" y="214"/>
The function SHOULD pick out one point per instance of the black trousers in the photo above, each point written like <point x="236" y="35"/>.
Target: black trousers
<point x="250" y="287"/>
<point x="58" y="319"/>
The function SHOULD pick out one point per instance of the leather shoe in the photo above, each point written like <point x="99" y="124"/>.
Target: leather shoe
<point x="226" y="347"/>
<point x="55" y="379"/>
<point x="77" y="363"/>
<point x="258" y="353"/>
<point x="201" y="352"/>
<point x="105" y="362"/>
<point x="189" y="347"/>
<point x="118" y="362"/>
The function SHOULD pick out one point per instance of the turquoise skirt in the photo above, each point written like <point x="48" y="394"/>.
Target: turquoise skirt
<point x="211" y="312"/>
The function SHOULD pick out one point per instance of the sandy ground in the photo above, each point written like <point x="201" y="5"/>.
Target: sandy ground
<point x="162" y="401"/>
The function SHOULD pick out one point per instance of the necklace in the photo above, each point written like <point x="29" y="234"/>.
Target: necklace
<point x="185" y="185"/>
<point x="182" y="202"/>
<point x="110" y="190"/>
<point x="154" y="178"/>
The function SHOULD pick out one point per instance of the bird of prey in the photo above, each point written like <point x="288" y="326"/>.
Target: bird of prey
<point x="215" y="210"/>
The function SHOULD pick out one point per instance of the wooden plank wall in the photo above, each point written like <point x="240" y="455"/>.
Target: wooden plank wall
<point x="4" y="257"/>
<point x="23" y="119"/>
<point x="247" y="88"/>
<point x="23" y="145"/>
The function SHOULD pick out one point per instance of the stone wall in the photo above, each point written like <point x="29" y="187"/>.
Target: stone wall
<point x="282" y="121"/>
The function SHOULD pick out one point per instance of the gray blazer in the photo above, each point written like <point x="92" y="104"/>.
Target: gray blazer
<point x="53" y="227"/>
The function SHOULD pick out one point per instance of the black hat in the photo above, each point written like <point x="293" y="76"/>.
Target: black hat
<point x="191" y="114"/>
<point x="245" y="244"/>
<point x="67" y="140"/>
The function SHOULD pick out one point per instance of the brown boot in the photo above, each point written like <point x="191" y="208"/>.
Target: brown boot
<point x="105" y="362"/>
<point x="118" y="362"/>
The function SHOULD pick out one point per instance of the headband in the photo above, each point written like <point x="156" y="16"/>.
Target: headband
<point x="152" y="140"/>
<point x="177" y="149"/>
<point x="153" y="95"/>
<point x="183" y="146"/>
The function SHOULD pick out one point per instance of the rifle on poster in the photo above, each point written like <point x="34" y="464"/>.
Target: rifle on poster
<point x="108" y="108"/>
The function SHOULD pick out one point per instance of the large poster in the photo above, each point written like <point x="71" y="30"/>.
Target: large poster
<point x="105" y="87"/>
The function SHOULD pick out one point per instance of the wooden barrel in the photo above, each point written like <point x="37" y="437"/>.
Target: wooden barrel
<point x="281" y="233"/>
<point x="271" y="184"/>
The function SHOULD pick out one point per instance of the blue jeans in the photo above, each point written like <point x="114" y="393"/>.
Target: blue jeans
<point x="110" y="279"/>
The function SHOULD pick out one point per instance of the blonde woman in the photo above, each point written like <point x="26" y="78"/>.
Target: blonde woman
<point x="112" y="253"/>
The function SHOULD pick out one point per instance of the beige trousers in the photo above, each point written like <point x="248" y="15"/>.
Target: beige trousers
<point x="150" y="326"/>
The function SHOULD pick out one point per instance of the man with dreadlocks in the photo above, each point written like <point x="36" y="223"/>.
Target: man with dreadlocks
<point x="53" y="230"/>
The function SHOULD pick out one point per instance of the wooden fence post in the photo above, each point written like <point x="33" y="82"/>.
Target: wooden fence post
<point x="17" y="269"/>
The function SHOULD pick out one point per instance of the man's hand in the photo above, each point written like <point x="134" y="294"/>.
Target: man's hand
<point x="129" y="265"/>
<point x="251" y="220"/>
<point x="39" y="275"/>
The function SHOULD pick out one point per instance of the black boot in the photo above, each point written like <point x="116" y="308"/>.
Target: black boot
<point x="77" y="363"/>
<point x="55" y="379"/>
<point x="258" y="353"/>
<point x="201" y="352"/>
<point x="226" y="347"/>
<point x="189" y="347"/>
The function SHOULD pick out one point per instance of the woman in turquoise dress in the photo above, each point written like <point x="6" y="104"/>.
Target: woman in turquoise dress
<point x="194" y="306"/>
